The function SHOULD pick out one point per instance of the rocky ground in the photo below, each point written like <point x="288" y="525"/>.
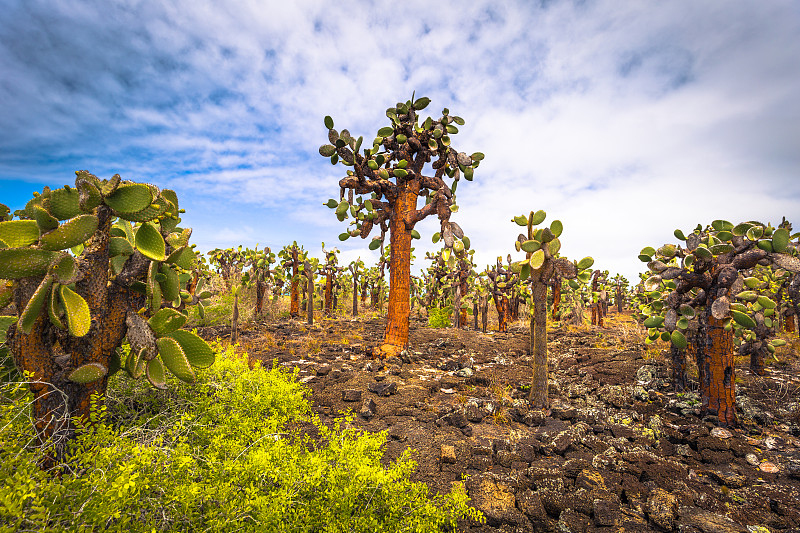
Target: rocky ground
<point x="616" y="452"/>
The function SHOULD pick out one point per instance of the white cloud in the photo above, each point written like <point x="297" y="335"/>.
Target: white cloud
<point x="623" y="120"/>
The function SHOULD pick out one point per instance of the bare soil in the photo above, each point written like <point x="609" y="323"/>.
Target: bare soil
<point x="617" y="451"/>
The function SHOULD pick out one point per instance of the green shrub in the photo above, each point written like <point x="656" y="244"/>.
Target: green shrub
<point x="239" y="450"/>
<point x="439" y="317"/>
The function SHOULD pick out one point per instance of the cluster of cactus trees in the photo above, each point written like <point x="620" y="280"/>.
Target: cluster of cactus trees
<point x="713" y="290"/>
<point x="97" y="276"/>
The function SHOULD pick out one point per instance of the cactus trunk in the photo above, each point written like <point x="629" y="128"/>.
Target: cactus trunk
<point x="503" y="311"/>
<point x="355" y="293"/>
<point x="556" y="297"/>
<point x="538" y="346"/>
<point x="716" y="370"/>
<point x="788" y="323"/>
<point x="328" y="293"/>
<point x="678" y="369"/>
<point x="396" y="337"/>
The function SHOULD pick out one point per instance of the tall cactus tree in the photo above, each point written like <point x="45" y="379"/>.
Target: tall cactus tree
<point x="331" y="269"/>
<point x="355" y="268"/>
<point x="292" y="257"/>
<point x="503" y="281"/>
<point x="541" y="265"/>
<point x="75" y="310"/>
<point x="391" y="172"/>
<point x="707" y="290"/>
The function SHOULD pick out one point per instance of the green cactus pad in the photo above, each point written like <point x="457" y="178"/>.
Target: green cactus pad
<point x="538" y="217"/>
<point x="79" y="319"/>
<point x="780" y="240"/>
<point x="703" y="253"/>
<point x="88" y="373"/>
<point x="19" y="233"/>
<point x="679" y="235"/>
<point x="375" y="243"/>
<point x="537" y="259"/>
<point x="54" y="308"/>
<point x="5" y="323"/>
<point x="585" y="263"/>
<point x="175" y="359"/>
<point x="129" y="198"/>
<point x="741" y="229"/>
<point x="755" y="232"/>
<point x="70" y="234"/>
<point x="176" y="240"/>
<point x="743" y="319"/>
<point x="119" y="246"/>
<point x="64" y="203"/>
<point x="170" y="285"/>
<point x="34" y="306"/>
<point x="197" y="351"/>
<point x="150" y="242"/>
<point x="553" y="247"/>
<point x="166" y="321"/>
<point x="718" y="249"/>
<point x="678" y="340"/>
<point x="530" y="246"/>
<point x="327" y="150"/>
<point x="154" y="371"/>
<point x="686" y="310"/>
<point x="17" y="263"/>
<point x="415" y="234"/>
<point x="385" y="131"/>
<point x="151" y="212"/>
<point x="64" y="269"/>
<point x="766" y="302"/>
<point x="182" y="257"/>
<point x="6" y="294"/>
<point x="765" y="245"/>
<point x="556" y="227"/>
<point x="654" y="322"/>
<point x="44" y="220"/>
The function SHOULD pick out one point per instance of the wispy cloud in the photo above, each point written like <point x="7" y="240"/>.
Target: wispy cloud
<point x="624" y="120"/>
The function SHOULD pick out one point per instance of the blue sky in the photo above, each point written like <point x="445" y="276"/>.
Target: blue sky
<point x="625" y="120"/>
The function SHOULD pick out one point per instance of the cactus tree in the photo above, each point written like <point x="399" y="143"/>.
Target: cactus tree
<point x="391" y="171"/>
<point x="707" y="288"/>
<point x="75" y="309"/>
<point x="540" y="267"/>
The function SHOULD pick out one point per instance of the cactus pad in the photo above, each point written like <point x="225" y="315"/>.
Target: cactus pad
<point x="129" y="198"/>
<point x="166" y="321"/>
<point x="88" y="373"/>
<point x="197" y="351"/>
<point x="17" y="263"/>
<point x="175" y="359"/>
<point x="155" y="373"/>
<point x="34" y="306"/>
<point x="150" y="242"/>
<point x="71" y="233"/>
<point x="18" y="233"/>
<point x="78" y="318"/>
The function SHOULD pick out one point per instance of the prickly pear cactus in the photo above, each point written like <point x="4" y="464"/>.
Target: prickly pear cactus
<point x="705" y="290"/>
<point x="390" y="171"/>
<point x="541" y="267"/>
<point x="87" y="268"/>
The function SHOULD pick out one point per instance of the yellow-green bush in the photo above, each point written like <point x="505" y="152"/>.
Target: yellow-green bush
<point x="238" y="451"/>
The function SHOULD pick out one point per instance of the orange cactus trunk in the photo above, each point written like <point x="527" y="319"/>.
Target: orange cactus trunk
<point x="396" y="337"/>
<point x="328" y="293"/>
<point x="717" y="374"/>
<point x="788" y="324"/>
<point x="556" y="298"/>
<point x="503" y="310"/>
